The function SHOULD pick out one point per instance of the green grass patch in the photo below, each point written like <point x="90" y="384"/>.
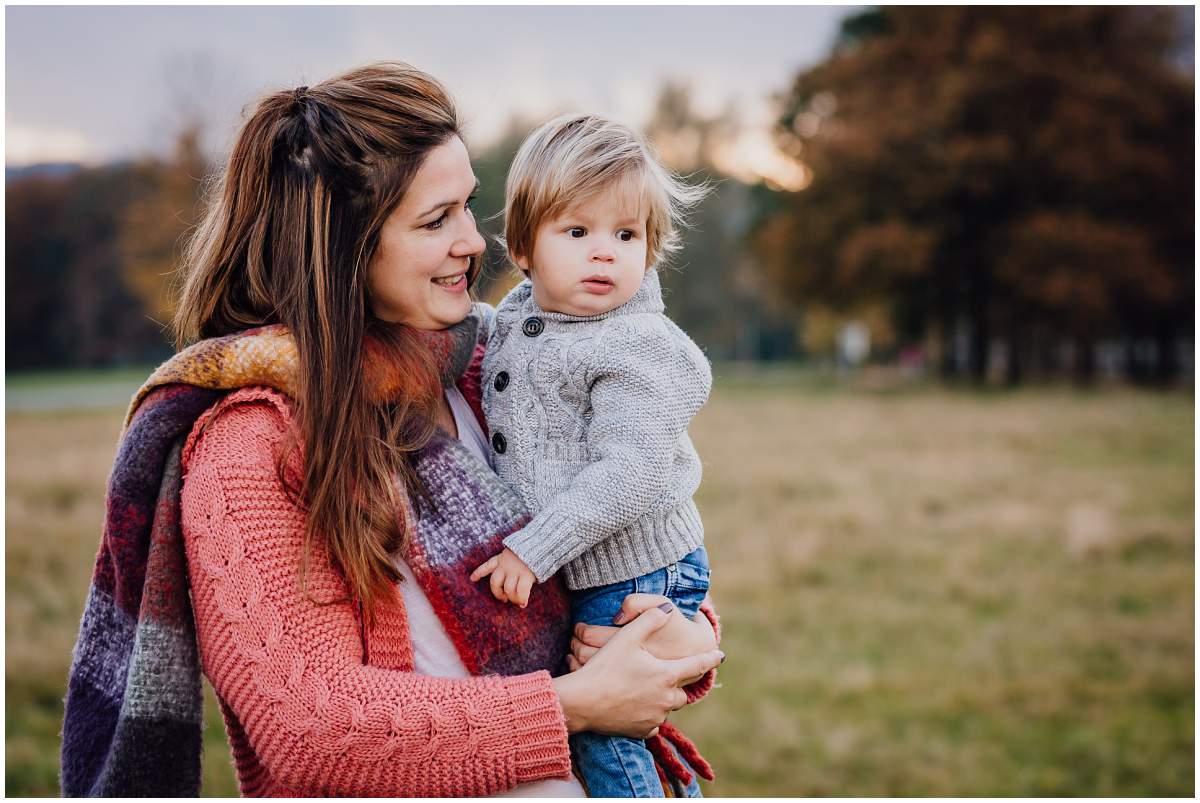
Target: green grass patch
<point x="923" y="591"/>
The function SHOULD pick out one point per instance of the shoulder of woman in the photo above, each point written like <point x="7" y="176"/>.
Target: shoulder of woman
<point x="515" y="298"/>
<point x="485" y="313"/>
<point x="241" y="424"/>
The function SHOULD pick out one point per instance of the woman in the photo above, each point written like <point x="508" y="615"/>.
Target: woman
<point x="319" y="452"/>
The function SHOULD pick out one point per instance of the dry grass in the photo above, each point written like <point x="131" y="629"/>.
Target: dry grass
<point x="924" y="593"/>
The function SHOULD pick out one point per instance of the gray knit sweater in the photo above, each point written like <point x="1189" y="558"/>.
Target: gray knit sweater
<point x="588" y="420"/>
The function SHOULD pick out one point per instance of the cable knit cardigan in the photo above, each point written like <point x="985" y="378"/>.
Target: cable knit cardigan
<point x="379" y="728"/>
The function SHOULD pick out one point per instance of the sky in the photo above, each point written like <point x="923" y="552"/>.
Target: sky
<point x="94" y="84"/>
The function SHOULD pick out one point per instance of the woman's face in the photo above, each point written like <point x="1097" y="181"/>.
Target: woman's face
<point x="418" y="276"/>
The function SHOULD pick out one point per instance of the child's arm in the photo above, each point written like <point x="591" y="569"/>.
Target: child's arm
<point x="646" y="384"/>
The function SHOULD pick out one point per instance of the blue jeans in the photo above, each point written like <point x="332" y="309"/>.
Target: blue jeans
<point x="616" y="766"/>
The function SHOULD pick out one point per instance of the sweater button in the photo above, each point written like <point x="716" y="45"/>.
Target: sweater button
<point x="501" y="380"/>
<point x="533" y="326"/>
<point x="498" y="443"/>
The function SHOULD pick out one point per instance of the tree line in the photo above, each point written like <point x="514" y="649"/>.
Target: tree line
<point x="1012" y="177"/>
<point x="997" y="188"/>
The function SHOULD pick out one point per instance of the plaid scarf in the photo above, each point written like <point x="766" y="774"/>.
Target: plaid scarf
<point x="133" y="709"/>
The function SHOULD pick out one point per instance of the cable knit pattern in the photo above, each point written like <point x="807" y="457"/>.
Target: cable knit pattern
<point x="593" y="413"/>
<point x="290" y="669"/>
<point x="314" y="703"/>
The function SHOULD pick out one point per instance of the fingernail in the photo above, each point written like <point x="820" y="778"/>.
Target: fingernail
<point x="666" y="607"/>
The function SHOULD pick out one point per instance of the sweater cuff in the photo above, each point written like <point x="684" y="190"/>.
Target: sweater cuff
<point x="539" y="731"/>
<point x="704" y="685"/>
<point x="540" y="543"/>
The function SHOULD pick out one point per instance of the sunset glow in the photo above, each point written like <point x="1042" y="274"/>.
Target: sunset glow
<point x="752" y="157"/>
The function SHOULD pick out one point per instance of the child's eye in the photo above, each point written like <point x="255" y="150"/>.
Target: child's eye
<point x="626" y="235"/>
<point x="577" y="232"/>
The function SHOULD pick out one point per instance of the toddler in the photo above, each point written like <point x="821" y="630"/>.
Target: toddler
<point x="589" y="389"/>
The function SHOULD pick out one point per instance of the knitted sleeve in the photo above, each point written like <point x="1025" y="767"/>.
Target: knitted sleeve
<point x="645" y="387"/>
<point x="288" y="661"/>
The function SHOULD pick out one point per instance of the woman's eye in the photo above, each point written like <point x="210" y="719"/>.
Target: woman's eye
<point x="576" y="232"/>
<point x="433" y="225"/>
<point x="467" y="205"/>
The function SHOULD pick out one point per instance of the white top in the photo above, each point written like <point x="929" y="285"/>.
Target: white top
<point x="469" y="431"/>
<point x="433" y="652"/>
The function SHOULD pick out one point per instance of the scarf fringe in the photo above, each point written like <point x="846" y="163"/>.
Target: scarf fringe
<point x="668" y="760"/>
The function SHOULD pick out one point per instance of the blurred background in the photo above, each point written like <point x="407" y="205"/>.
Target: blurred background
<point x="946" y="279"/>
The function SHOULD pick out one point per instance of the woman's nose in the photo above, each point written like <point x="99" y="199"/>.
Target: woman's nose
<point x="470" y="242"/>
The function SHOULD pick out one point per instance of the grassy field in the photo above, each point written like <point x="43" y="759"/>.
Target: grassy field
<point x="924" y="592"/>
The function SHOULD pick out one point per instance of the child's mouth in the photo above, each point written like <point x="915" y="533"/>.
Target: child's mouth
<point x="598" y="285"/>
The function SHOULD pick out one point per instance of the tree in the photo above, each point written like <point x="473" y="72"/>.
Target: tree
<point x="712" y="287"/>
<point x="1007" y="170"/>
<point x="68" y="304"/>
<point x="156" y="223"/>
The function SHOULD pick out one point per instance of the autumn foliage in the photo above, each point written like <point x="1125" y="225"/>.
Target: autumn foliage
<point x="1023" y="176"/>
<point x="1010" y="190"/>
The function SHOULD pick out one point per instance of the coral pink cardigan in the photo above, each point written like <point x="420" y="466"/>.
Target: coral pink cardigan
<point x="312" y="703"/>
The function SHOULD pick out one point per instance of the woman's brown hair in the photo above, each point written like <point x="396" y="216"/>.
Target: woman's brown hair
<point x="288" y="236"/>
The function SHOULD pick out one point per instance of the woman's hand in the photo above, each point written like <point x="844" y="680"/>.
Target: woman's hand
<point x="679" y="638"/>
<point x="624" y="690"/>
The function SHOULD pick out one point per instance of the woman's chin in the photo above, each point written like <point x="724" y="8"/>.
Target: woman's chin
<point x="437" y="310"/>
<point x="449" y="311"/>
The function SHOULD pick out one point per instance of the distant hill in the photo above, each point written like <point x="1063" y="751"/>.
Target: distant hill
<point x="42" y="170"/>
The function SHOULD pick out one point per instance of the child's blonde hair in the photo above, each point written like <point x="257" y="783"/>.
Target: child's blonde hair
<point x="573" y="157"/>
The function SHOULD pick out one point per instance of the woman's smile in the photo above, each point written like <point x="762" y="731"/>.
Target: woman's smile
<point x="455" y="283"/>
<point x="420" y="273"/>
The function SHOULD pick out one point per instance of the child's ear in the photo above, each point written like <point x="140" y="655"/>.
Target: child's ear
<point x="522" y="262"/>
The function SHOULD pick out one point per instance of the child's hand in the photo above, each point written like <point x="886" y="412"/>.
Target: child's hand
<point x="511" y="578"/>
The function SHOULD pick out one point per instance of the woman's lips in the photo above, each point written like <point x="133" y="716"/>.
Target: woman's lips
<point x="458" y="286"/>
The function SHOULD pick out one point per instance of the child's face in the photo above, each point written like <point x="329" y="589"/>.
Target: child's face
<point x="591" y="258"/>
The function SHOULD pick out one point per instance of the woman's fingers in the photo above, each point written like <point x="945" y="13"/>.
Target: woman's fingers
<point x="622" y="688"/>
<point x="485" y="568"/>
<point x="644" y="626"/>
<point x="594" y="635"/>
<point x="634" y="604"/>
<point x="694" y="665"/>
<point x="582" y="651"/>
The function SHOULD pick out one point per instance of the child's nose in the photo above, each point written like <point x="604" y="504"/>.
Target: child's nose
<point x="603" y="255"/>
